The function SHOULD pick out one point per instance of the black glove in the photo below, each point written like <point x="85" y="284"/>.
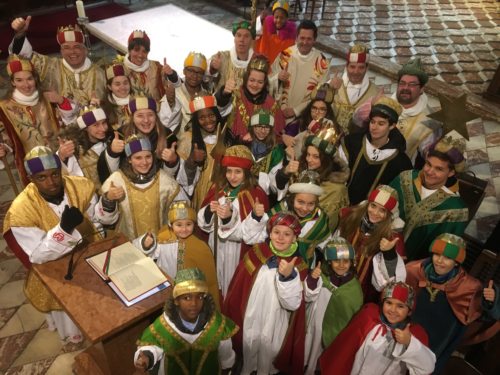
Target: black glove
<point x="70" y="219"/>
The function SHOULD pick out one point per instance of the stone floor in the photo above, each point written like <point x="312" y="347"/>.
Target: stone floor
<point x="26" y="344"/>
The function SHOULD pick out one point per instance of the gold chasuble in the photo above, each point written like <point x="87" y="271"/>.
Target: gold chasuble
<point x="88" y="165"/>
<point x="29" y="209"/>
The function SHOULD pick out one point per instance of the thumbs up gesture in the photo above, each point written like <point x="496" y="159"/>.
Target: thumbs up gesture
<point x="166" y="69"/>
<point x="292" y="167"/>
<point x="199" y="155"/>
<point x="386" y="245"/>
<point x="403" y="336"/>
<point x="316" y="272"/>
<point x="20" y="25"/>
<point x="283" y="75"/>
<point x="115" y="193"/>
<point x="215" y="63"/>
<point x="285" y="268"/>
<point x="148" y="240"/>
<point x="489" y="292"/>
<point x="336" y="81"/>
<point x="142" y="362"/>
<point x="230" y="85"/>
<point x="169" y="155"/>
<point x="117" y="144"/>
<point x="66" y="148"/>
<point x="258" y="208"/>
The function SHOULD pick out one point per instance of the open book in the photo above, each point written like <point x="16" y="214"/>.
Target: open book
<point x="133" y="274"/>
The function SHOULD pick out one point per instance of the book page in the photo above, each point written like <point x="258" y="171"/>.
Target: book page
<point x="138" y="278"/>
<point x="121" y="257"/>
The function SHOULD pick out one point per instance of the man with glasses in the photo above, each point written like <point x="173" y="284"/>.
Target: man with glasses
<point x="419" y="131"/>
<point x="73" y="75"/>
<point x="353" y="88"/>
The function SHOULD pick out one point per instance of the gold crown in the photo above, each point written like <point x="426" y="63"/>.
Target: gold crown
<point x="69" y="28"/>
<point x="181" y="210"/>
<point x="38" y="151"/>
<point x="259" y="63"/>
<point x="358" y="48"/>
<point x="87" y="108"/>
<point x="446" y="143"/>
<point x="391" y="103"/>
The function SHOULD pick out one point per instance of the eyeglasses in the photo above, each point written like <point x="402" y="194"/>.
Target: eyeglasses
<point x="318" y="109"/>
<point x="408" y="84"/>
<point x="195" y="72"/>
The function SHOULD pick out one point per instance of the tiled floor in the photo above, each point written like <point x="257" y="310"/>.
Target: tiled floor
<point x="26" y="344"/>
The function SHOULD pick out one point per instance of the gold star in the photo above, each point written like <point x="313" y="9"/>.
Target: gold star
<point x="454" y="115"/>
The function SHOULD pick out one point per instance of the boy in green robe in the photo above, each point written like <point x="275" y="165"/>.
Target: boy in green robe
<point x="191" y="336"/>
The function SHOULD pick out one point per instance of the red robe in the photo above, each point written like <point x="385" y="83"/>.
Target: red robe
<point x="339" y="357"/>
<point x="290" y="360"/>
<point x="273" y="41"/>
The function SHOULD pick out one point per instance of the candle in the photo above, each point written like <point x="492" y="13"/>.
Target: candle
<point x="80" y="9"/>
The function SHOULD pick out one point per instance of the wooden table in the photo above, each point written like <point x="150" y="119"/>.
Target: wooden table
<point x="105" y="321"/>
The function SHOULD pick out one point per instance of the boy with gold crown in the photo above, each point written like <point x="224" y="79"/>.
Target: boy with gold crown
<point x="429" y="201"/>
<point x="46" y="221"/>
<point x="72" y="75"/>
<point x="191" y="336"/>
<point x="176" y="247"/>
<point x="376" y="156"/>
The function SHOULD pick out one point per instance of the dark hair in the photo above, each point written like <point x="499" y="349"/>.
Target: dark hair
<point x="81" y="139"/>
<point x="441" y="156"/>
<point x="139" y="42"/>
<point x="246" y="74"/>
<point x="38" y="86"/>
<point x="305" y="117"/>
<point x="386" y="112"/>
<point x="208" y="307"/>
<point x="196" y="128"/>
<point x="308" y="25"/>
<point x="328" y="163"/>
<point x="109" y="106"/>
<point x="290" y="199"/>
<point x="249" y="182"/>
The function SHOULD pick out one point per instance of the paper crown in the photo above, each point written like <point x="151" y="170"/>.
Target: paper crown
<point x="262" y="118"/>
<point x="339" y="248"/>
<point x="324" y="92"/>
<point x="281" y="4"/>
<point x="202" y="102"/>
<point x="387" y="108"/>
<point x="307" y="182"/>
<point x="39" y="159"/>
<point x="326" y="139"/>
<point x="136" y="143"/>
<point x="449" y="245"/>
<point x="89" y="116"/>
<point x="284" y="218"/>
<point x="414" y="68"/>
<point x="142" y="36"/>
<point x="453" y="149"/>
<point x="243" y="25"/>
<point x="260" y="63"/>
<point x="400" y="291"/>
<point x="189" y="280"/>
<point x="196" y="59"/>
<point x="358" y="53"/>
<point x="116" y="69"/>
<point x="18" y="64"/>
<point x="237" y="156"/>
<point x="386" y="196"/>
<point x="69" y="33"/>
<point x="141" y="102"/>
<point x="181" y="210"/>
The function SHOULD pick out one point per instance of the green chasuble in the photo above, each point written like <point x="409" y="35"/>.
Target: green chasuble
<point x="344" y="303"/>
<point x="425" y="219"/>
<point x="183" y="358"/>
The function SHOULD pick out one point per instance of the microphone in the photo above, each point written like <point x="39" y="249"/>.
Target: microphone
<point x="69" y="274"/>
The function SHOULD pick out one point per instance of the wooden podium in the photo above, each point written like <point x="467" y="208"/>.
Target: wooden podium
<point x="106" y="322"/>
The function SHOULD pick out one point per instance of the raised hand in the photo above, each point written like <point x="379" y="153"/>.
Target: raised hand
<point x="380" y="93"/>
<point x="285" y="268"/>
<point x="20" y="25"/>
<point x="386" y="245"/>
<point x="316" y="272"/>
<point x="293" y="166"/>
<point x="148" y="240"/>
<point x="142" y="362"/>
<point x="71" y="217"/>
<point x="115" y="193"/>
<point x="169" y="155"/>
<point x="258" y="208"/>
<point x="283" y="75"/>
<point x="53" y="97"/>
<point x="288" y="112"/>
<point x="117" y="145"/>
<point x="199" y="155"/>
<point x="403" y="336"/>
<point x="230" y="85"/>
<point x="166" y="69"/>
<point x="214" y="206"/>
<point x="489" y="292"/>
<point x="224" y="211"/>
<point x="3" y="151"/>
<point x="216" y="63"/>
<point x="66" y="148"/>
<point x="247" y="138"/>
<point x="94" y="100"/>
<point x="336" y="81"/>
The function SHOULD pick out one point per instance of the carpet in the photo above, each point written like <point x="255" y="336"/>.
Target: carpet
<point x="43" y="28"/>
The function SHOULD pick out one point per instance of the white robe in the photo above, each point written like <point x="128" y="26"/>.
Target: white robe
<point x="269" y="306"/>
